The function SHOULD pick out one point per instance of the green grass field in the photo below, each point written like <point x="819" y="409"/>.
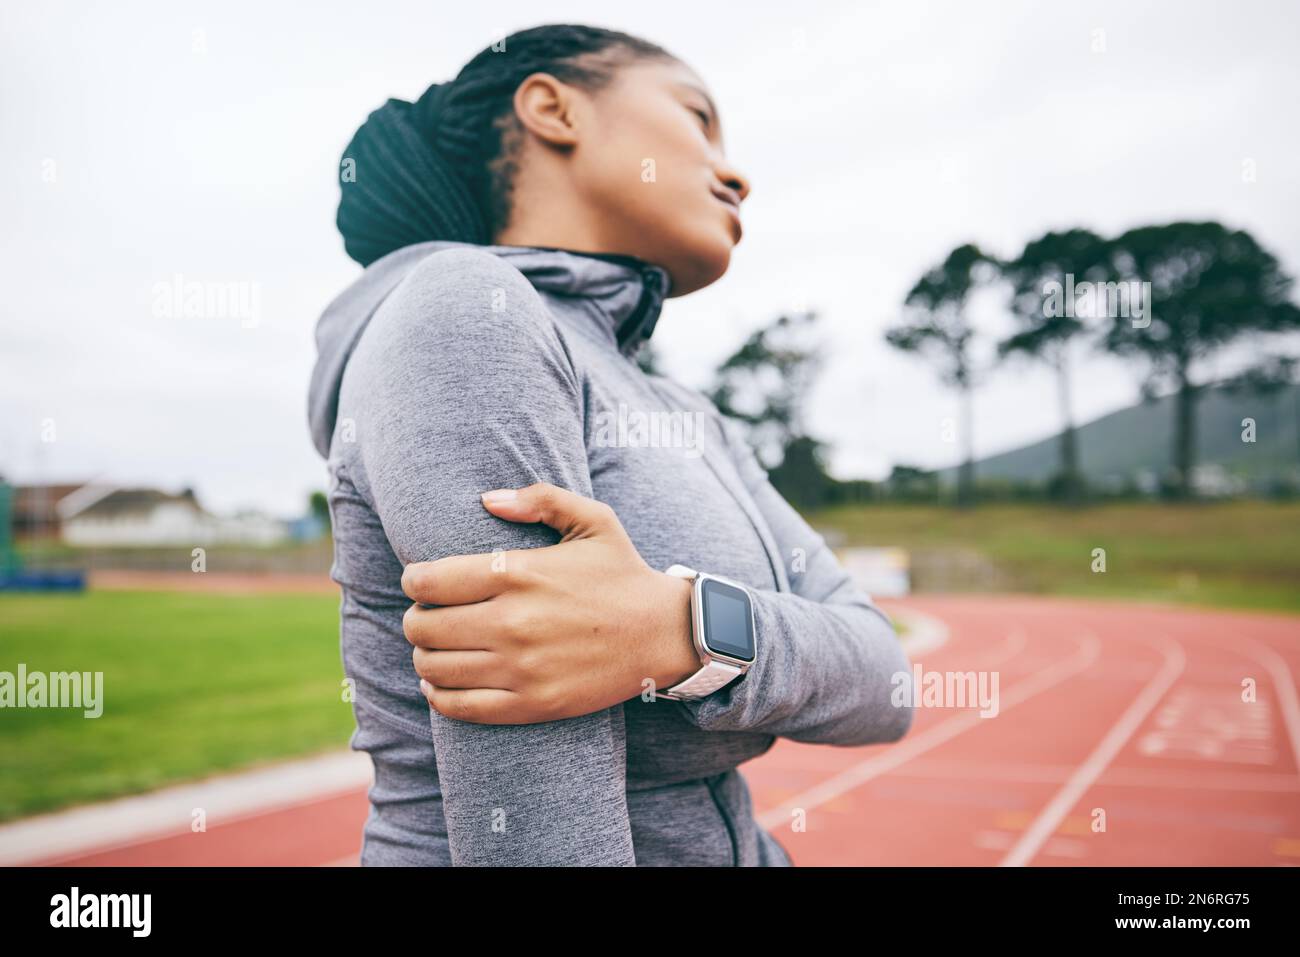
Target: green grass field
<point x="193" y="684"/>
<point x="1234" y="554"/>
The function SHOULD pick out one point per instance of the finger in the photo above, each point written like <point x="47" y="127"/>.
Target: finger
<point x="456" y="579"/>
<point x="452" y="627"/>
<point x="574" y="515"/>
<point x="461" y="669"/>
<point x="479" y="705"/>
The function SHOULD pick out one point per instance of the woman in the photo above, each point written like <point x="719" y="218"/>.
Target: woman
<point x="520" y="228"/>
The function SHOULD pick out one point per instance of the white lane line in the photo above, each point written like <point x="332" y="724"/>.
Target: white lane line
<point x="1012" y="645"/>
<point x="1050" y="818"/>
<point x="1086" y="653"/>
<point x="1281" y="674"/>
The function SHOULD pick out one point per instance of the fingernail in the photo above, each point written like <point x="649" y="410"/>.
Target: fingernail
<point x="500" y="495"/>
<point x="426" y="687"/>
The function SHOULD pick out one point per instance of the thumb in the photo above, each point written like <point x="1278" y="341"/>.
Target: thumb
<point x="573" y="515"/>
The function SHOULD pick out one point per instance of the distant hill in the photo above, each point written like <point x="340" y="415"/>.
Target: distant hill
<point x="1119" y="446"/>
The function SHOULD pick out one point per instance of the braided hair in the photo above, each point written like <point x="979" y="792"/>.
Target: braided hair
<point x="443" y="166"/>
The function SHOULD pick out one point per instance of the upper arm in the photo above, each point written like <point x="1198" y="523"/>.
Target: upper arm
<point x="463" y="385"/>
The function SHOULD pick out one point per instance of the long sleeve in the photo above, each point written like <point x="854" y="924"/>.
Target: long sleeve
<point x="464" y="385"/>
<point x="829" y="665"/>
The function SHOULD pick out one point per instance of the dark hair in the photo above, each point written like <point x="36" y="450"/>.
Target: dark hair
<point x="443" y="166"/>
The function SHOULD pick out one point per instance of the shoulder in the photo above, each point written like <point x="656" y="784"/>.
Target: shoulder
<point x="453" y="286"/>
<point x="463" y="320"/>
<point x="465" y="269"/>
<point x="467" y="305"/>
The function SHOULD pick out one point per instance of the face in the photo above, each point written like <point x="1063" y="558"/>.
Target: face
<point x="650" y="165"/>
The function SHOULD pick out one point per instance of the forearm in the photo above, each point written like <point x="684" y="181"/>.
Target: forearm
<point x="829" y="667"/>
<point x="824" y="673"/>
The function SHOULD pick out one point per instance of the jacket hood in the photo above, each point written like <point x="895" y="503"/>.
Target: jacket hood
<point x="623" y="293"/>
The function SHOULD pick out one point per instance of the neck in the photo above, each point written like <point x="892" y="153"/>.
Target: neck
<point x="550" y="237"/>
<point x="548" y="216"/>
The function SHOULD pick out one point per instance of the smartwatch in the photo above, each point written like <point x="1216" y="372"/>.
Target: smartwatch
<point x="722" y="628"/>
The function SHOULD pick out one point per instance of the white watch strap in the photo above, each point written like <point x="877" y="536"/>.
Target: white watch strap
<point x="704" y="682"/>
<point x="713" y="675"/>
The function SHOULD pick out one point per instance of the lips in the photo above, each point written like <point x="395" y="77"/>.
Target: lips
<point x="731" y="199"/>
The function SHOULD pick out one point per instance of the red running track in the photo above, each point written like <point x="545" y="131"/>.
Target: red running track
<point x="1120" y="738"/>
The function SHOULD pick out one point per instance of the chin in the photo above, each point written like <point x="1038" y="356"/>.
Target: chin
<point x="698" y="264"/>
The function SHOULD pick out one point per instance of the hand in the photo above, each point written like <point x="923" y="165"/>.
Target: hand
<point x="540" y="634"/>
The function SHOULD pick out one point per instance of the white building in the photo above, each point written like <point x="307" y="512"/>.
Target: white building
<point x="103" y="516"/>
<point x="1214" y="481"/>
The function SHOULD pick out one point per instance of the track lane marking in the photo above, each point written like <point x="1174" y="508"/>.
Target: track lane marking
<point x="1085" y="655"/>
<point x="1086" y="774"/>
<point x="1280" y="671"/>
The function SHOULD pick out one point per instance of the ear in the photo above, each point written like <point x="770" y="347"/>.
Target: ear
<point x="546" y="107"/>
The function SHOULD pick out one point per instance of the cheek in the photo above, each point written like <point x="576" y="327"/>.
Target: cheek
<point x="682" y="164"/>
<point x="673" y="176"/>
<point x="653" y="179"/>
<point x="659" y="153"/>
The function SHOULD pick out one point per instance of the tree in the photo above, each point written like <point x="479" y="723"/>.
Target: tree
<point x="801" y="476"/>
<point x="1208" y="286"/>
<point x="1039" y="277"/>
<point x="764" y="384"/>
<point x="318" y="506"/>
<point x="1269" y="377"/>
<point x="909" y="483"/>
<point x="936" y="326"/>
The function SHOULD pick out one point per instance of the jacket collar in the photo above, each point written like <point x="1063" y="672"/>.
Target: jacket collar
<point x="622" y="295"/>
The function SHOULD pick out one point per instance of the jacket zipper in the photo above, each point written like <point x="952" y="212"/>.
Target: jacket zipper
<point x="630" y="329"/>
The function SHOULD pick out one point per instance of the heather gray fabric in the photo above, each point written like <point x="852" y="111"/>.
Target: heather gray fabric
<point x="449" y="369"/>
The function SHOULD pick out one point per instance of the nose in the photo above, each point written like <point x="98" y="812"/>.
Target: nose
<point x="733" y="178"/>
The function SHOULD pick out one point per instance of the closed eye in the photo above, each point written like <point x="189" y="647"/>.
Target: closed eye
<point x="703" y="116"/>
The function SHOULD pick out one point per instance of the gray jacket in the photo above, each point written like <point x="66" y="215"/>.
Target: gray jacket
<point x="448" y="369"/>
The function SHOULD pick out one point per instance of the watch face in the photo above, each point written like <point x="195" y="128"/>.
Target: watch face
<point x="728" y="621"/>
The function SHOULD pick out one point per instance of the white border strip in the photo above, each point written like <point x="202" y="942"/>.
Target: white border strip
<point x="131" y="820"/>
<point x="924" y="632"/>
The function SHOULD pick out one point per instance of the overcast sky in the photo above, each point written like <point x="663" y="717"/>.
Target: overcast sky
<point x="146" y="141"/>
